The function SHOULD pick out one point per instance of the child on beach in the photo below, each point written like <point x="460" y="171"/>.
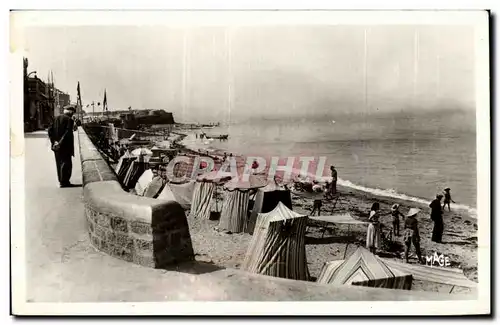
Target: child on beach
<point x="447" y="198"/>
<point x="373" y="237"/>
<point x="395" y="219"/>
<point x="317" y="202"/>
<point x="412" y="235"/>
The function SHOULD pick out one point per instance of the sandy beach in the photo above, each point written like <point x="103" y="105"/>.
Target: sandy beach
<point x="337" y="242"/>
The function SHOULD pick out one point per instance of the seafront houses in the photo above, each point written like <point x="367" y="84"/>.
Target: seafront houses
<point x="42" y="101"/>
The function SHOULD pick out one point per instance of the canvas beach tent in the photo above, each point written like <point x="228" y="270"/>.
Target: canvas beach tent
<point x="143" y="182"/>
<point x="204" y="190"/>
<point x="181" y="193"/>
<point x="154" y="187"/>
<point x="363" y="268"/>
<point x="277" y="247"/>
<point x="266" y="199"/>
<point x="449" y="276"/>
<point x="134" y="172"/>
<point x="123" y="164"/>
<point x="234" y="213"/>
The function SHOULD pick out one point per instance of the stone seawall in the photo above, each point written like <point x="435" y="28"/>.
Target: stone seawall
<point x="136" y="229"/>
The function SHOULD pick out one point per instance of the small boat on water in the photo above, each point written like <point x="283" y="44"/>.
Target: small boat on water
<point x="217" y="137"/>
<point x="221" y="137"/>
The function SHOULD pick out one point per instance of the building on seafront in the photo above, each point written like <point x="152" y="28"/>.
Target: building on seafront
<point x="61" y="99"/>
<point x="42" y="101"/>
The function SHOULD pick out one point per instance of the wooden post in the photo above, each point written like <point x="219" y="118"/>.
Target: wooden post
<point x="452" y="289"/>
<point x="278" y="245"/>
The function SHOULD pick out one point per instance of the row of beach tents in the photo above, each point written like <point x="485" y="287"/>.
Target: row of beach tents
<point x="277" y="247"/>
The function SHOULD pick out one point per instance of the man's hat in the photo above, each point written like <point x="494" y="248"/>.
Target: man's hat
<point x="395" y="207"/>
<point x="413" y="212"/>
<point x="447" y="189"/>
<point x="70" y="108"/>
<point x="439" y="195"/>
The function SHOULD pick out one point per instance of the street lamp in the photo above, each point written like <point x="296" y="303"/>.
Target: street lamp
<point x="30" y="74"/>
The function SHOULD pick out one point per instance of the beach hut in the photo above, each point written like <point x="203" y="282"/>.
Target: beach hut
<point x="154" y="187"/>
<point x="134" y="171"/>
<point x="143" y="182"/>
<point x="234" y="214"/>
<point x="451" y="277"/>
<point x="123" y="164"/>
<point x="204" y="190"/>
<point x="266" y="199"/>
<point x="277" y="247"/>
<point x="363" y="268"/>
<point x="181" y="193"/>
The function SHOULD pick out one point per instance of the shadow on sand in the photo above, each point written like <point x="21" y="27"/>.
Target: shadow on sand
<point x="195" y="267"/>
<point x="458" y="242"/>
<point x="72" y="186"/>
<point x="330" y="240"/>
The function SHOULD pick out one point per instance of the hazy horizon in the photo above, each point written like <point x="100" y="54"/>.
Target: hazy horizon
<point x="217" y="74"/>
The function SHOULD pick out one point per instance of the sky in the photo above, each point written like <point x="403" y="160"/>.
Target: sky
<point x="217" y="73"/>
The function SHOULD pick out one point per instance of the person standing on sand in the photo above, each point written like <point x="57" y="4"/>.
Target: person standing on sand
<point x="437" y="217"/>
<point x="447" y="198"/>
<point x="317" y="189"/>
<point x="411" y="234"/>
<point x="395" y="219"/>
<point x="333" y="185"/>
<point x="373" y="234"/>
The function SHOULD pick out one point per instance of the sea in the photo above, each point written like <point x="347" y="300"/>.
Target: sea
<point x="411" y="156"/>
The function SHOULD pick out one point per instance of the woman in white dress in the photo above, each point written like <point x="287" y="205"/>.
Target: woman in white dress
<point x="373" y="234"/>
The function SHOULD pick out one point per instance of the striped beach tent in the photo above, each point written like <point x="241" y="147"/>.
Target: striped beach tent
<point x="202" y="199"/>
<point x="363" y="268"/>
<point x="266" y="199"/>
<point x="277" y="247"/>
<point x="234" y="213"/>
<point x="449" y="276"/>
<point x="204" y="191"/>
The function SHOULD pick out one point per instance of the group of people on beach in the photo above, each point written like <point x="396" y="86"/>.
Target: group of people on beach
<point x="411" y="235"/>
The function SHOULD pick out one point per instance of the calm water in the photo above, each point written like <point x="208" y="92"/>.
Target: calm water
<point x="411" y="157"/>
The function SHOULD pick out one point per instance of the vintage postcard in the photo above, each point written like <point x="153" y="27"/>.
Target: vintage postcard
<point x="250" y="162"/>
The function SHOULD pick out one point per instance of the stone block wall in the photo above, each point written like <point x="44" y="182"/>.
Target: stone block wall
<point x="94" y="167"/>
<point x="141" y="230"/>
<point x="158" y="243"/>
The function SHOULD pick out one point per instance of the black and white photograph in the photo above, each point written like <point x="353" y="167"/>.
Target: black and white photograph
<point x="160" y="158"/>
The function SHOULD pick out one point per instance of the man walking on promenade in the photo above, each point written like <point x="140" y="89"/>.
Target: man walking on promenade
<point x="61" y="138"/>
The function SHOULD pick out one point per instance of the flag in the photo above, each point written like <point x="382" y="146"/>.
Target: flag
<point x="105" y="102"/>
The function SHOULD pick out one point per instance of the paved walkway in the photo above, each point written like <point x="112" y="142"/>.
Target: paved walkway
<point x="63" y="267"/>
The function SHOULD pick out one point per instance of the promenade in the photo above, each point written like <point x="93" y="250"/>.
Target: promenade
<point x="62" y="266"/>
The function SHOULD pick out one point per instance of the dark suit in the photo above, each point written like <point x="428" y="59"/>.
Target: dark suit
<point x="437" y="217"/>
<point x="63" y="128"/>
